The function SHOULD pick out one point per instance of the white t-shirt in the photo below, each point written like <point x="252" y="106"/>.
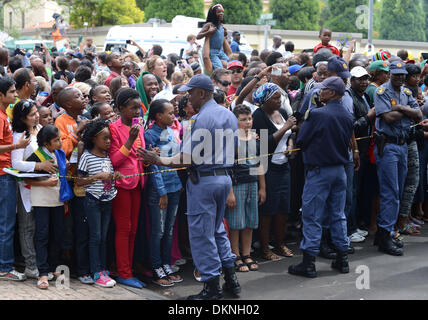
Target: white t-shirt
<point x="282" y="146"/>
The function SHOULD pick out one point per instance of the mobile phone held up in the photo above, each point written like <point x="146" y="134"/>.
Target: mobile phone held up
<point x="135" y="121"/>
<point x="128" y="41"/>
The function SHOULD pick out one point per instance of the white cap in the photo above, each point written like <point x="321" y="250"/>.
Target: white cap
<point x="358" y="72"/>
<point x="165" y="94"/>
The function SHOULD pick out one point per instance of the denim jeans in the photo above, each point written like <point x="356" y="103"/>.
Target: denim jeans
<point x="81" y="235"/>
<point x="48" y="238"/>
<point x="99" y="216"/>
<point x="161" y="227"/>
<point x="7" y="221"/>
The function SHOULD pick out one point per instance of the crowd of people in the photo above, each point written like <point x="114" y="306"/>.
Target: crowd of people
<point x="79" y="119"/>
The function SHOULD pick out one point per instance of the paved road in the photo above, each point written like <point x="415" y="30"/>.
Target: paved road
<point x="390" y="277"/>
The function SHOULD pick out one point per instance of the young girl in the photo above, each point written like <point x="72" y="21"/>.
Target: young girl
<point x="126" y="137"/>
<point x="47" y="199"/>
<point x="25" y="123"/>
<point x="214" y="29"/>
<point x="163" y="194"/>
<point x="45" y="116"/>
<point x="96" y="167"/>
<point x="104" y="111"/>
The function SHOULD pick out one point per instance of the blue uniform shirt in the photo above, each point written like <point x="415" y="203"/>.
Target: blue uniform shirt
<point x="310" y="101"/>
<point x="214" y="137"/>
<point x="384" y="98"/>
<point x="234" y="46"/>
<point x="324" y="136"/>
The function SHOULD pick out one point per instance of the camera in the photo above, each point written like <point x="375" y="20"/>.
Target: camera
<point x="128" y="41"/>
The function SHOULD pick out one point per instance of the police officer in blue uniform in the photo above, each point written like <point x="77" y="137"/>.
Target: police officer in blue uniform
<point x="324" y="137"/>
<point x="336" y="67"/>
<point x="208" y="186"/>
<point x="396" y="110"/>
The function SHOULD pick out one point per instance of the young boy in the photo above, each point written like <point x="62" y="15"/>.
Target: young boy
<point x="70" y="126"/>
<point x="325" y="37"/>
<point x="8" y="96"/>
<point x="248" y="191"/>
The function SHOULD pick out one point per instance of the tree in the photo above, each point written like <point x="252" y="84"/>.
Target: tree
<point x="103" y="12"/>
<point x="325" y="12"/>
<point x="344" y="15"/>
<point x="402" y="20"/>
<point x="168" y="9"/>
<point x="296" y="15"/>
<point x="241" y="12"/>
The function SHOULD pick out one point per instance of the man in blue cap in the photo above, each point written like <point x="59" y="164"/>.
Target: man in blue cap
<point x="208" y="186"/>
<point x="324" y="137"/>
<point x="396" y="110"/>
<point x="336" y="67"/>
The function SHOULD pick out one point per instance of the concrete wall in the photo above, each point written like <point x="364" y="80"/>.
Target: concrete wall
<point x="255" y="36"/>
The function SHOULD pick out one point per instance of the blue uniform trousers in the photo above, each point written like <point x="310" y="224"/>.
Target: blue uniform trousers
<point x="206" y="203"/>
<point x="324" y="198"/>
<point x="391" y="172"/>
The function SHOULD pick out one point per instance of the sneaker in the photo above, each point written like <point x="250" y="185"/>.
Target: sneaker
<point x="131" y="282"/>
<point x="170" y="272"/>
<point x="362" y="233"/>
<point x="32" y="273"/>
<point x="197" y="276"/>
<point x="355" y="237"/>
<point x="175" y="268"/>
<point x="180" y="262"/>
<point x="107" y="274"/>
<point x="159" y="274"/>
<point x="86" y="279"/>
<point x="13" y="275"/>
<point x="103" y="280"/>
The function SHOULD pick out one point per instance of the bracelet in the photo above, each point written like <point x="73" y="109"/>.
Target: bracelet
<point x="257" y="77"/>
<point x="356" y="151"/>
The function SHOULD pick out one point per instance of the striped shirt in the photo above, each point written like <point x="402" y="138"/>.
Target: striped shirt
<point x="90" y="165"/>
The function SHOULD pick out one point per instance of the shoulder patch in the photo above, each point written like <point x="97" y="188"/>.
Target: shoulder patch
<point x="380" y="90"/>
<point x="307" y="113"/>
<point x="407" y="91"/>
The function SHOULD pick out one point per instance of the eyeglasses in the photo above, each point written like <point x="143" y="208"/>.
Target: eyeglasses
<point x="27" y="104"/>
<point x="236" y="71"/>
<point x="224" y="83"/>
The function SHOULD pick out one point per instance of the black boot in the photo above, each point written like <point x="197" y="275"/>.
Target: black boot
<point x="399" y="243"/>
<point x="231" y="284"/>
<point x="341" y="262"/>
<point x="211" y="291"/>
<point x="306" y="268"/>
<point x="386" y="243"/>
<point x="326" y="250"/>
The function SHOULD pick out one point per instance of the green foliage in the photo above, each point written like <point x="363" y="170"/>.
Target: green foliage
<point x="402" y="20"/>
<point x="296" y="15"/>
<point x="344" y="16"/>
<point x="168" y="9"/>
<point x="241" y="12"/>
<point x="103" y="12"/>
<point x="325" y="12"/>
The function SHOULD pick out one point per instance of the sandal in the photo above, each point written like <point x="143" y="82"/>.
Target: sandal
<point x="251" y="263"/>
<point x="173" y="276"/>
<point x="43" y="284"/>
<point x="239" y="266"/>
<point x="161" y="279"/>
<point x="269" y="255"/>
<point x="284" y="251"/>
<point x="409" y="230"/>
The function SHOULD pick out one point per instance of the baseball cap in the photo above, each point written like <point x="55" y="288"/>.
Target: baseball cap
<point x="359" y="72"/>
<point x="200" y="81"/>
<point x="165" y="94"/>
<point x="332" y="83"/>
<point x="379" y="65"/>
<point x="339" y="66"/>
<point x="398" y="67"/>
<point x="295" y="68"/>
<point x="234" y="64"/>
<point x="236" y="33"/>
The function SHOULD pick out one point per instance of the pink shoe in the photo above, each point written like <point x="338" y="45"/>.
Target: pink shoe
<point x="102" y="280"/>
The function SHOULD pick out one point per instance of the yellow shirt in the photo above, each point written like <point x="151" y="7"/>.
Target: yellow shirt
<point x="9" y="109"/>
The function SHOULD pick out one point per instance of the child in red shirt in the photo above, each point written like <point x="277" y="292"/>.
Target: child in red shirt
<point x="325" y="37"/>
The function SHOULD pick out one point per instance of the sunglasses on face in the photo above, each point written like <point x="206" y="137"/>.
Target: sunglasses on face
<point x="224" y="83"/>
<point x="236" y="71"/>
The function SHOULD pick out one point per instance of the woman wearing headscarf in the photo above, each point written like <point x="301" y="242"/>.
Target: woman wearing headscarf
<point x="271" y="118"/>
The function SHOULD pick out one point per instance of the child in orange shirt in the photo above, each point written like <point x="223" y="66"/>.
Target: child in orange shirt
<point x="325" y="37"/>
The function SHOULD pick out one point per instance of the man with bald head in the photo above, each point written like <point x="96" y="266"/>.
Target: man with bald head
<point x="55" y="108"/>
<point x="277" y="45"/>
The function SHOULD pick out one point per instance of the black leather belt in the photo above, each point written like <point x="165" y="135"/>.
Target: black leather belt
<point x="215" y="172"/>
<point x="395" y="140"/>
